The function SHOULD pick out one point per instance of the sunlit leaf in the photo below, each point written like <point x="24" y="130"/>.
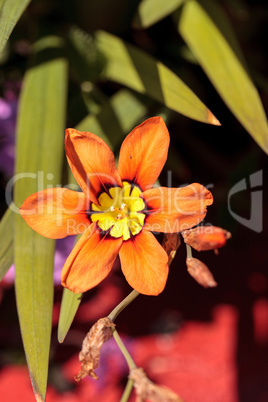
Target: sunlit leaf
<point x="223" y="24"/>
<point x="224" y="70"/>
<point x="115" y="119"/>
<point x="221" y="20"/>
<point x="151" y="11"/>
<point x="7" y="246"/>
<point x="10" y="12"/>
<point x="69" y="305"/>
<point x="40" y="140"/>
<point x="130" y="66"/>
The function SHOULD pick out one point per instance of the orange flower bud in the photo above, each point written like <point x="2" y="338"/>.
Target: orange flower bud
<point x="200" y="272"/>
<point x="206" y="237"/>
<point x="147" y="390"/>
<point x="89" y="356"/>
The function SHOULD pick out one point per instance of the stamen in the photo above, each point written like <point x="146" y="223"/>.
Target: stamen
<point x="124" y="218"/>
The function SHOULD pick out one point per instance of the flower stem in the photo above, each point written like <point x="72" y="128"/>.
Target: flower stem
<point x="127" y="391"/>
<point x="189" y="251"/>
<point x="124" y="303"/>
<point x="130" y="362"/>
<point x="114" y="314"/>
<point x="118" y="340"/>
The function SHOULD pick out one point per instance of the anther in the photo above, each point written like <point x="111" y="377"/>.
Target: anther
<point x="112" y="208"/>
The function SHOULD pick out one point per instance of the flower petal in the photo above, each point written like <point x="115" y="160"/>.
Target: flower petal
<point x="144" y="153"/>
<point x="144" y="263"/>
<point x="90" y="261"/>
<point x="172" y="210"/>
<point x="56" y="212"/>
<point x="92" y="163"/>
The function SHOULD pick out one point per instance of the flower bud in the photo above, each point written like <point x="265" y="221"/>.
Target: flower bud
<point x="170" y="244"/>
<point x="206" y="237"/>
<point x="147" y="390"/>
<point x="200" y="272"/>
<point x="89" y="356"/>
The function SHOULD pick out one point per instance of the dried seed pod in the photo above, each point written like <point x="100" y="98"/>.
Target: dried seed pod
<point x="200" y="272"/>
<point x="147" y="390"/>
<point x="204" y="238"/>
<point x="89" y="356"/>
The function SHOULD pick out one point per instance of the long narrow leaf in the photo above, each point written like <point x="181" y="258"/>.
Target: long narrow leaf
<point x="220" y="18"/>
<point x="39" y="163"/>
<point x="151" y="11"/>
<point x="10" y="12"/>
<point x="224" y="70"/>
<point x="69" y="305"/>
<point x="115" y="119"/>
<point x="132" y="67"/>
<point x="7" y="245"/>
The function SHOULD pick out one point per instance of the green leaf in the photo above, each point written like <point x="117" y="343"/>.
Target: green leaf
<point x="69" y="305"/>
<point x="221" y="20"/>
<point x="115" y="119"/>
<point x="40" y="144"/>
<point x="112" y="123"/>
<point x="151" y="11"/>
<point x="10" y="12"/>
<point x="224" y="70"/>
<point x="130" y="66"/>
<point x="7" y="246"/>
<point x="84" y="55"/>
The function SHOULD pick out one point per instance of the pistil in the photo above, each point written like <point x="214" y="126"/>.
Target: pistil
<point x="121" y="211"/>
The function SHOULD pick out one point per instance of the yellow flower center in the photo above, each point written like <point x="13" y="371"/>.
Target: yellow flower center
<point x="120" y="211"/>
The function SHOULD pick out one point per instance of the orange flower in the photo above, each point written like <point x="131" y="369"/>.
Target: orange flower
<point x="117" y="209"/>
